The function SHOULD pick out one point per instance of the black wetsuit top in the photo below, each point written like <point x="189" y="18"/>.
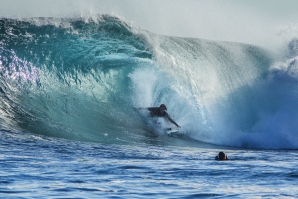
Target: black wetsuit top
<point x="154" y="111"/>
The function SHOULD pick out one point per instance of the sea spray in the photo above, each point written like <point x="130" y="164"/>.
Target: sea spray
<point x="81" y="79"/>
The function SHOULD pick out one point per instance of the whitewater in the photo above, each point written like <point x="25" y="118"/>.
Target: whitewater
<point x="69" y="127"/>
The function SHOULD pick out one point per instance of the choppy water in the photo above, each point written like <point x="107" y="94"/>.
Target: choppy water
<point x="42" y="167"/>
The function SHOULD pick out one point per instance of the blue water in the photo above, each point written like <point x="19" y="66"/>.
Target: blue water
<point x="68" y="88"/>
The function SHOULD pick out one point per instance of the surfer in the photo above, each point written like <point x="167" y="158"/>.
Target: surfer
<point x="160" y="112"/>
<point x="221" y="156"/>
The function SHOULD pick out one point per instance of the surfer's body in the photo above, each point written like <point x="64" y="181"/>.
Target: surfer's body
<point x="160" y="112"/>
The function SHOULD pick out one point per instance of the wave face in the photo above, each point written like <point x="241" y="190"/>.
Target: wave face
<point x="81" y="78"/>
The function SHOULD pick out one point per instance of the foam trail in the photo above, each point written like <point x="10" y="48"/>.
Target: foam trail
<point x="265" y="23"/>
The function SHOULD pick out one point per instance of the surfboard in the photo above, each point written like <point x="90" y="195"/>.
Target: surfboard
<point x="171" y="131"/>
<point x="161" y="126"/>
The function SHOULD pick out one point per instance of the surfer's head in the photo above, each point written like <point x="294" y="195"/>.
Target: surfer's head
<point x="221" y="156"/>
<point x="162" y="108"/>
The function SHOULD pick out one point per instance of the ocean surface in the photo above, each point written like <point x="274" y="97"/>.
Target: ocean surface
<point x="69" y="127"/>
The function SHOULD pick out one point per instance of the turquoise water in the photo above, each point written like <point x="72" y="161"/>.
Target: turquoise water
<point x="68" y="88"/>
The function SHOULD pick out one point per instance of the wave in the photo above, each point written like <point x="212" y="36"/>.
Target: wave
<point x="80" y="79"/>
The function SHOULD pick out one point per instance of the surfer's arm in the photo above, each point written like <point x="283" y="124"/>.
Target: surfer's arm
<point x="140" y="108"/>
<point x="171" y="120"/>
<point x="151" y="109"/>
<point x="147" y="108"/>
